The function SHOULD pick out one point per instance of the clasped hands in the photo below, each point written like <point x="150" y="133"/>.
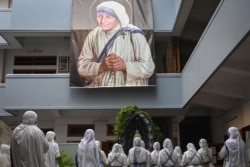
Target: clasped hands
<point x="112" y="62"/>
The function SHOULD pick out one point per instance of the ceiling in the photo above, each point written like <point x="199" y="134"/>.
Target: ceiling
<point x="228" y="86"/>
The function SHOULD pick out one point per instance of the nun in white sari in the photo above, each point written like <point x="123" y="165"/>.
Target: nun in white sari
<point x="167" y="156"/>
<point x="138" y="156"/>
<point x="117" y="157"/>
<point x="116" y="53"/>
<point x="28" y="143"/>
<point x="87" y="151"/>
<point x="179" y="155"/>
<point x="53" y="154"/>
<point x="205" y="153"/>
<point x="155" y="154"/>
<point x="234" y="151"/>
<point x="102" y="155"/>
<point x="5" y="156"/>
<point x="190" y="157"/>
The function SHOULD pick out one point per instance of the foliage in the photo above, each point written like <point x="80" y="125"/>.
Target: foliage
<point x="65" y="160"/>
<point x="125" y="113"/>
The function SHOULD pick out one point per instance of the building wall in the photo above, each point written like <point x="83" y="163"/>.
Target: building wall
<point x="5" y="133"/>
<point x="37" y="46"/>
<point x="1" y="65"/>
<point x="100" y="128"/>
<point x="4" y="3"/>
<point x="238" y="117"/>
<point x="52" y="92"/>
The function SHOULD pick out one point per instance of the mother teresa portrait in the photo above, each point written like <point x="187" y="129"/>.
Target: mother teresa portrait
<point x="115" y="53"/>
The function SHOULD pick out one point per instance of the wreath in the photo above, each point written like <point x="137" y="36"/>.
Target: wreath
<point x="125" y="114"/>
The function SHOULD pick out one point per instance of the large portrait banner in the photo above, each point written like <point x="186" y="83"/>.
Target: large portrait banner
<point x="112" y="44"/>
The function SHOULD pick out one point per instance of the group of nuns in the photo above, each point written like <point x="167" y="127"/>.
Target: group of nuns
<point x="90" y="154"/>
<point x="30" y="148"/>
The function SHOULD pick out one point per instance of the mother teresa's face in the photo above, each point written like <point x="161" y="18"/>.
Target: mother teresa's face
<point x="107" y="22"/>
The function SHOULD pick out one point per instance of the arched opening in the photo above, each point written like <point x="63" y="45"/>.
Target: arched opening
<point x="140" y="123"/>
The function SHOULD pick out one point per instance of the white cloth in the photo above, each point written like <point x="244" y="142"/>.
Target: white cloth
<point x="179" y="155"/>
<point x="87" y="151"/>
<point x="54" y="153"/>
<point x="155" y="153"/>
<point x="102" y="155"/>
<point x="132" y="48"/>
<point x="28" y="143"/>
<point x="149" y="158"/>
<point x="205" y="153"/>
<point x="190" y="157"/>
<point x="117" y="157"/>
<point x="137" y="57"/>
<point x="138" y="156"/>
<point x="167" y="156"/>
<point x="234" y="150"/>
<point x="5" y="156"/>
<point x="118" y="9"/>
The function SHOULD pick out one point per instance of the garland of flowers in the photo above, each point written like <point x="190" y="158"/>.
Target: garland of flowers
<point x="125" y="113"/>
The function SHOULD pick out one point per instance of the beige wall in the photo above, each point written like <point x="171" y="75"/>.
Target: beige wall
<point x="238" y="117"/>
<point x="5" y="133"/>
<point x="5" y="3"/>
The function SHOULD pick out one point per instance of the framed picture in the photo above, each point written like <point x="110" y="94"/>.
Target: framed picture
<point x="63" y="64"/>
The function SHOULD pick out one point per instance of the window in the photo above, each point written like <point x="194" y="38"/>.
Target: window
<point x="45" y="130"/>
<point x="35" y="60"/>
<point x="35" y="65"/>
<point x="110" y="130"/>
<point x="78" y="130"/>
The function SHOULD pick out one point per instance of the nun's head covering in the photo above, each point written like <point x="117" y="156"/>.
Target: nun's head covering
<point x="178" y="150"/>
<point x="156" y="146"/>
<point x="88" y="139"/>
<point x="5" y="149"/>
<point x="233" y="132"/>
<point x="191" y="147"/>
<point x="115" y="148"/>
<point x="137" y="142"/>
<point x="89" y="136"/>
<point x="114" y="9"/>
<point x="29" y="118"/>
<point x="234" y="140"/>
<point x="203" y="143"/>
<point x="121" y="148"/>
<point x="50" y="136"/>
<point x="167" y="144"/>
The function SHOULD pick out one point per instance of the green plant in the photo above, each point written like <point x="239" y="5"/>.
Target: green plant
<point x="65" y="160"/>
